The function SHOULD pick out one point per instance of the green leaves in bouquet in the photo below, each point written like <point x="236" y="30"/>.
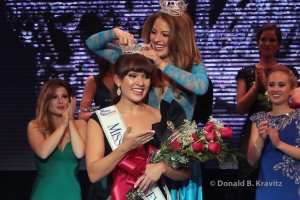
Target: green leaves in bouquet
<point x="169" y="156"/>
<point x="189" y="144"/>
<point x="133" y="194"/>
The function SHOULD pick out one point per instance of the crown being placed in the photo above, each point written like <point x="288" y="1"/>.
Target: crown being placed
<point x="174" y="8"/>
<point x="133" y="49"/>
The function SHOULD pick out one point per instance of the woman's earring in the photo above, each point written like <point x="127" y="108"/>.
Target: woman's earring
<point x="291" y="99"/>
<point x="267" y="98"/>
<point x="119" y="91"/>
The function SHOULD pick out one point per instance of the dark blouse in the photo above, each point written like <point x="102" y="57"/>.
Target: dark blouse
<point x="261" y="103"/>
<point x="102" y="96"/>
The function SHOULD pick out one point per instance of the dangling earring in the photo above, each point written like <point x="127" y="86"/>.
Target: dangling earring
<point x="291" y="99"/>
<point x="119" y="91"/>
<point x="268" y="98"/>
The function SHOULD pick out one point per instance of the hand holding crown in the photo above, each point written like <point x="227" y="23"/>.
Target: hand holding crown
<point x="152" y="55"/>
<point x="127" y="45"/>
<point x="124" y="38"/>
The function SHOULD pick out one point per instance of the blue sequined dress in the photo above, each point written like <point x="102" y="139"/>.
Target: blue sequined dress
<point x="279" y="174"/>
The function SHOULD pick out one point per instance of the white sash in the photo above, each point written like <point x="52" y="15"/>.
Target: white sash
<point x="112" y="125"/>
<point x="114" y="128"/>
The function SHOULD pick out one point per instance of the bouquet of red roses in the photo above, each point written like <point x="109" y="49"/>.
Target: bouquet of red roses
<point x="189" y="144"/>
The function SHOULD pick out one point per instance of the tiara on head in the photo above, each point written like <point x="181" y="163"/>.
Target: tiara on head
<point x="174" y="8"/>
<point x="133" y="49"/>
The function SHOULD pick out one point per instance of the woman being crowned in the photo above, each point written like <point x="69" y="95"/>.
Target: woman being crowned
<point x="120" y="138"/>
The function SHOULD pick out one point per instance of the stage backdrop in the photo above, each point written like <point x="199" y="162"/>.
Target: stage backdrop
<point x="44" y="39"/>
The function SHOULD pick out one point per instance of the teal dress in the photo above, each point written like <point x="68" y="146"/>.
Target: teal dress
<point x="196" y="82"/>
<point x="57" y="176"/>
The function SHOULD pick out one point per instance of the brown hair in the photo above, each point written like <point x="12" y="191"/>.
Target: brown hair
<point x="183" y="50"/>
<point x="287" y="71"/>
<point x="182" y="43"/>
<point x="269" y="27"/>
<point x="44" y="122"/>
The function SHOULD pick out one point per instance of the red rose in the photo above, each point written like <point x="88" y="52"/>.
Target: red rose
<point x="210" y="136"/>
<point x="226" y="132"/>
<point x="195" y="137"/>
<point x="214" y="147"/>
<point x="175" y="144"/>
<point x="209" y="126"/>
<point x="198" y="146"/>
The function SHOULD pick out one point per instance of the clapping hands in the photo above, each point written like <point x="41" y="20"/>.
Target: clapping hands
<point x="260" y="77"/>
<point x="69" y="112"/>
<point x="72" y="106"/>
<point x="264" y="130"/>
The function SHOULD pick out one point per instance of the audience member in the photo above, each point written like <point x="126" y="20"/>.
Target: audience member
<point x="58" y="141"/>
<point x="97" y="89"/>
<point x="251" y="93"/>
<point x="274" y="140"/>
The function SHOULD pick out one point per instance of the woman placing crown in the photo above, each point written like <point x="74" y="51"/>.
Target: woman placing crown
<point x="182" y="75"/>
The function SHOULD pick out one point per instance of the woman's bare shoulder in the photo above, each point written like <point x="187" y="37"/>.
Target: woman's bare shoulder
<point x="154" y="111"/>
<point x="33" y="123"/>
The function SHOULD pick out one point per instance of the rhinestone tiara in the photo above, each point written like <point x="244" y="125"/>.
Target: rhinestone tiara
<point x="133" y="49"/>
<point x="174" y="8"/>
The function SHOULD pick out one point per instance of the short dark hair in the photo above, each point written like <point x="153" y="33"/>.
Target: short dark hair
<point x="136" y="63"/>
<point x="133" y="62"/>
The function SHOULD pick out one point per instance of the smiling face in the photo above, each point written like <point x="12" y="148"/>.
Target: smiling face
<point x="268" y="43"/>
<point x="160" y="36"/>
<point x="59" y="101"/>
<point x="134" y="86"/>
<point x="279" y="88"/>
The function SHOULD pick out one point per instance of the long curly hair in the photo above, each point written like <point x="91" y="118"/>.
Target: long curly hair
<point x="43" y="117"/>
<point x="182" y="43"/>
<point x="183" y="50"/>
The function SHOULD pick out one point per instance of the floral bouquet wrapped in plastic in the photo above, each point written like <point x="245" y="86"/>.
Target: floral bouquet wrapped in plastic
<point x="189" y="144"/>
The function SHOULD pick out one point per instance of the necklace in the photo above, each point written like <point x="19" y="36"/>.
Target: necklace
<point x="275" y="115"/>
